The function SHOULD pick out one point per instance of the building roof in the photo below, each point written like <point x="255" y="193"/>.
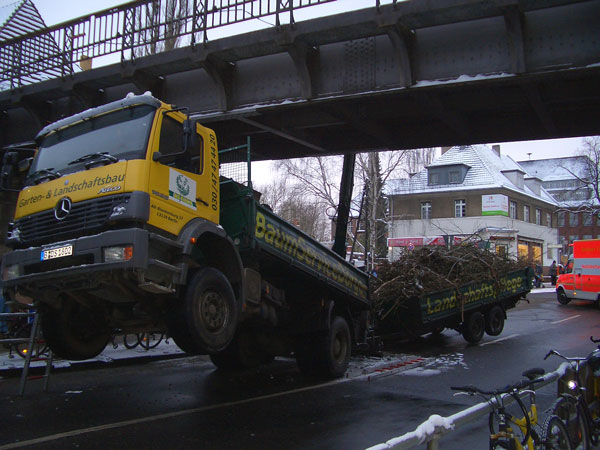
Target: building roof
<point x="486" y="169"/>
<point x="555" y="169"/>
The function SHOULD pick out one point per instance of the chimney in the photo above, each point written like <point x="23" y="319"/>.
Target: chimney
<point x="496" y="149"/>
<point x="445" y="149"/>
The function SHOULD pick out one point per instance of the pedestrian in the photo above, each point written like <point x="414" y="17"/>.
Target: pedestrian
<point x="538" y="275"/>
<point x="553" y="273"/>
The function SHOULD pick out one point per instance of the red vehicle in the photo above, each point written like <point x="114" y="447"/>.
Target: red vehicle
<point x="581" y="279"/>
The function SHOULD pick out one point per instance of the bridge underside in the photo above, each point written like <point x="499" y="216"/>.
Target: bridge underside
<point x="420" y="74"/>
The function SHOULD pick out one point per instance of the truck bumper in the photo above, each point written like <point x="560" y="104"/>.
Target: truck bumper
<point x="25" y="271"/>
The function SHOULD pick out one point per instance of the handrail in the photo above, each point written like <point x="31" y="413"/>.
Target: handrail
<point x="433" y="429"/>
<point x="130" y="30"/>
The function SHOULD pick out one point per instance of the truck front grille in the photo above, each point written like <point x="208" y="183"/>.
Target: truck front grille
<point x="85" y="218"/>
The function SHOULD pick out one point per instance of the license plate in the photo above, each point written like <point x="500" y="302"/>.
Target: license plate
<point x="57" y="252"/>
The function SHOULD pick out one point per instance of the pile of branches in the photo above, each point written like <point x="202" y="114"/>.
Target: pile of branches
<point x="429" y="269"/>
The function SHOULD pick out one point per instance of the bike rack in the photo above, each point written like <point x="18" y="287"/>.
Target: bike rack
<point x="433" y="429"/>
<point x="34" y="338"/>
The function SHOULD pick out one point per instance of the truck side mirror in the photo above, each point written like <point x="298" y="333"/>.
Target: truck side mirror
<point x="190" y="137"/>
<point x="25" y="164"/>
<point x="9" y="162"/>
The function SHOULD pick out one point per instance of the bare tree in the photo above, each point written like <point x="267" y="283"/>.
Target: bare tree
<point x="159" y="24"/>
<point x="290" y="204"/>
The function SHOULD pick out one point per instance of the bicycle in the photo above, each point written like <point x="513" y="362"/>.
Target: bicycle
<point x="520" y="433"/>
<point x="147" y="340"/>
<point x="19" y="329"/>
<point x="581" y="418"/>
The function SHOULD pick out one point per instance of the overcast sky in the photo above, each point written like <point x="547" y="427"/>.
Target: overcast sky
<point x="57" y="11"/>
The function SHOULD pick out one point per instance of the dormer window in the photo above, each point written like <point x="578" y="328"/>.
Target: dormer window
<point x="447" y="174"/>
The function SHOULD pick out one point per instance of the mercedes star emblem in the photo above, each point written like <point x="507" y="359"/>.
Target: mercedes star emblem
<point x="62" y="208"/>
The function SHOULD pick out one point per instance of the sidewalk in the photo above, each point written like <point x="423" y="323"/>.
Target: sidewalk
<point x="13" y="366"/>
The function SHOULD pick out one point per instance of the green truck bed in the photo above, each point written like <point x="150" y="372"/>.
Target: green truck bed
<point x="279" y="249"/>
<point x="447" y="308"/>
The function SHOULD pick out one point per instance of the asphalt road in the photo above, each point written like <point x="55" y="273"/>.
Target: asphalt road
<point x="185" y="403"/>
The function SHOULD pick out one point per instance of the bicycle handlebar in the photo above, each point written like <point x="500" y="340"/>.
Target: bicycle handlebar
<point x="505" y="390"/>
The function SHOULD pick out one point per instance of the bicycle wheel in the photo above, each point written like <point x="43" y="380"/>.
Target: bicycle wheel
<point x="150" y="340"/>
<point x="555" y="435"/>
<point x="512" y="413"/>
<point x="39" y="346"/>
<point x="131" y="341"/>
<point x="572" y="415"/>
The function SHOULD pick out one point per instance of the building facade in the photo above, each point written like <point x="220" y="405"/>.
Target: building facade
<point x="474" y="192"/>
<point x="561" y="177"/>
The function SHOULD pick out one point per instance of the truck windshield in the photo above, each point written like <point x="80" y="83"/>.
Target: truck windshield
<point x="115" y="136"/>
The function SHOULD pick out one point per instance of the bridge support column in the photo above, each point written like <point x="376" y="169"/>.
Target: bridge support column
<point x="347" y="183"/>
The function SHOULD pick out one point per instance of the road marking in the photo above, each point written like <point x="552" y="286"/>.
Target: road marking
<point x="170" y="415"/>
<point x="499" y="340"/>
<point x="564" y="320"/>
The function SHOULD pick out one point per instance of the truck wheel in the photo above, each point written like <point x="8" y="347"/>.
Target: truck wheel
<point x="494" y="321"/>
<point x="242" y="353"/>
<point x="337" y="349"/>
<point x="325" y="356"/>
<point x="211" y="312"/>
<point x="562" y="297"/>
<point x="474" y="326"/>
<point x="74" y="331"/>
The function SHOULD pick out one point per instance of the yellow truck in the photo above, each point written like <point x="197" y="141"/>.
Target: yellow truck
<point x="124" y="224"/>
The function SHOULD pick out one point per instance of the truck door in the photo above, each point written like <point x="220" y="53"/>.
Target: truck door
<point x="180" y="182"/>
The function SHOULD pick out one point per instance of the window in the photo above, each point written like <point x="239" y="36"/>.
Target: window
<point x="426" y="210"/>
<point x="538" y="216"/>
<point x="587" y="220"/>
<point x="561" y="219"/>
<point x="171" y="143"/>
<point x="587" y="236"/>
<point x="454" y="176"/>
<point x="548" y="219"/>
<point x="513" y="210"/>
<point x="460" y="208"/>
<point x="502" y="250"/>
<point x="526" y="213"/>
<point x="434" y="178"/>
<point x="573" y="219"/>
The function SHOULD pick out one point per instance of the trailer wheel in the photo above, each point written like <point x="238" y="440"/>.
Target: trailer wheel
<point x="210" y="310"/>
<point x="494" y="321"/>
<point x="561" y="296"/>
<point x="474" y="326"/>
<point x="75" y="331"/>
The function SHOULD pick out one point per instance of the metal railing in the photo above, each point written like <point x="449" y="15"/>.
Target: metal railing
<point x="433" y="429"/>
<point x="130" y="31"/>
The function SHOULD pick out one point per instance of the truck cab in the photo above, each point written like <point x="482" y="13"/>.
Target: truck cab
<point x="581" y="277"/>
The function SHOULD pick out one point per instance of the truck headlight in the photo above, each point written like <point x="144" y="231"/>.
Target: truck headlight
<point x="118" y="253"/>
<point x="10" y="272"/>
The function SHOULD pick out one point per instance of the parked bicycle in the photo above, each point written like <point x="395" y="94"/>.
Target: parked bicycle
<point x="146" y="340"/>
<point x="19" y="329"/>
<point x="508" y="431"/>
<point x="579" y="405"/>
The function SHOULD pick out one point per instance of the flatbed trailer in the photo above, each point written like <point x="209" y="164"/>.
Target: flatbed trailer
<point x="472" y="309"/>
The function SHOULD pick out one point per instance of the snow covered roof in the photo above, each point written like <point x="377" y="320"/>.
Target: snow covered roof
<point x="555" y="169"/>
<point x="487" y="170"/>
